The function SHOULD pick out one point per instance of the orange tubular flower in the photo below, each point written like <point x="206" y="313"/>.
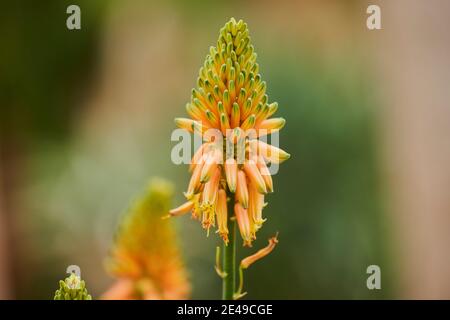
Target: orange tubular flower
<point x="242" y="189"/>
<point x="222" y="215"/>
<point x="244" y="223"/>
<point x="231" y="170"/>
<point x="245" y="263"/>
<point x="231" y="99"/>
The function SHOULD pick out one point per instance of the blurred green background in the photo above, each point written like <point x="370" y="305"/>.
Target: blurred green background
<point x="86" y="118"/>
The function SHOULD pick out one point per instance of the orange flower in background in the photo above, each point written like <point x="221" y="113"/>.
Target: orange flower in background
<point x="231" y="110"/>
<point x="145" y="257"/>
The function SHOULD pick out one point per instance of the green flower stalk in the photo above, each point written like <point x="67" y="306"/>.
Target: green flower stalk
<point x="230" y="174"/>
<point x="72" y="288"/>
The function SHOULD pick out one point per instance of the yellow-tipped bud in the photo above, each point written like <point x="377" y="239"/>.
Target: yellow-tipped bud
<point x="184" y="123"/>
<point x="227" y="100"/>
<point x="212" y="118"/>
<point x="241" y="97"/>
<point x="224" y="124"/>
<point x="247" y="107"/>
<point x="269" y="152"/>
<point x="273" y="107"/>
<point x="232" y="90"/>
<point x="248" y="123"/>
<point x="235" y="115"/>
<point x="272" y="125"/>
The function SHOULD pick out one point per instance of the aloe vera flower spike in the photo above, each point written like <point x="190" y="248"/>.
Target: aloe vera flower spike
<point x="228" y="188"/>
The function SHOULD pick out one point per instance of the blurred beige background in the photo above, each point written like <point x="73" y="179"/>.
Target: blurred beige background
<point x="368" y="125"/>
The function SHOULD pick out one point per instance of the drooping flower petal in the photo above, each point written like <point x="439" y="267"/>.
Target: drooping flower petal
<point x="247" y="262"/>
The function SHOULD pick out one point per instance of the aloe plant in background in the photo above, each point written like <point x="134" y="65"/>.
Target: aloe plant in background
<point x="145" y="258"/>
